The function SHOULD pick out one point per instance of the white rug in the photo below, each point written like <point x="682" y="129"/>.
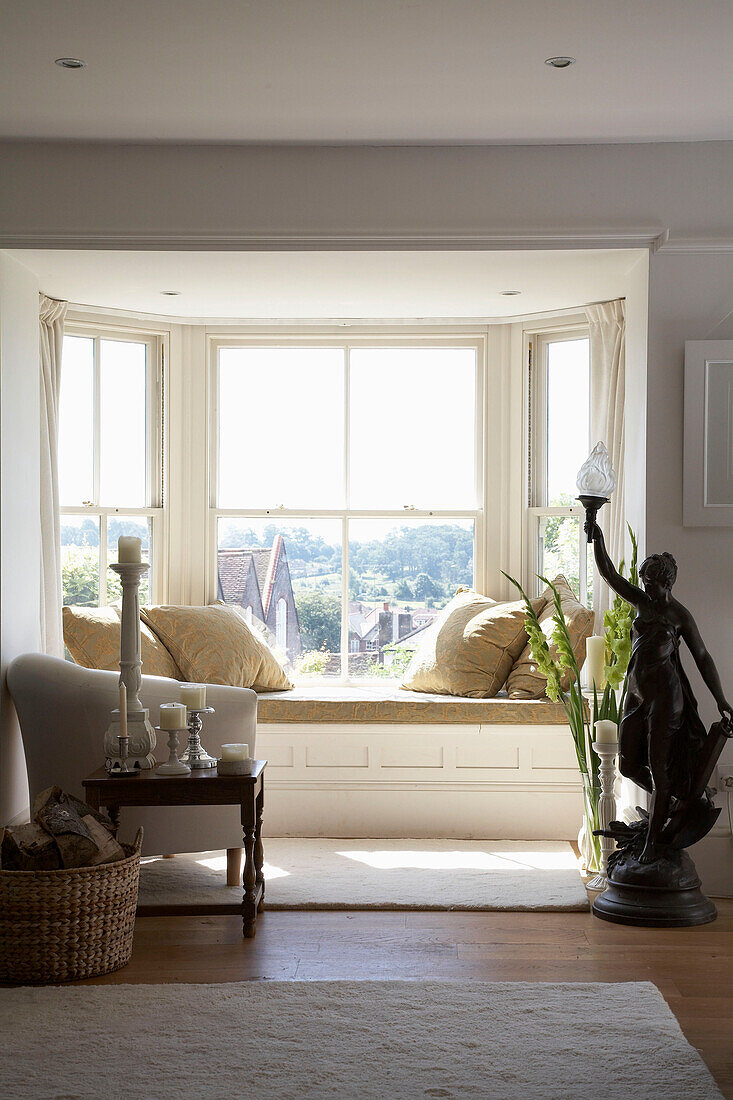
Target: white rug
<point x="402" y="1040"/>
<point x="382" y="874"/>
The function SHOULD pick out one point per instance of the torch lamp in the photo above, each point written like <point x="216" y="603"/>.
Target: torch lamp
<point x="596" y="481"/>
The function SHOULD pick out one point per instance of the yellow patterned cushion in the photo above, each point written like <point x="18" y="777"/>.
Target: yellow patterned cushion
<point x="525" y="681"/>
<point x="92" y="636"/>
<point x="214" y="645"/>
<point x="470" y="648"/>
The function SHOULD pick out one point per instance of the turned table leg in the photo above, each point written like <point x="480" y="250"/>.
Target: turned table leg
<point x="259" y="850"/>
<point x="249" y="878"/>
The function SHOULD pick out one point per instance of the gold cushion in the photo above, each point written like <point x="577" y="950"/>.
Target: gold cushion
<point x="92" y="636"/>
<point x="525" y="681"/>
<point x="214" y="645"/>
<point x="470" y="648"/>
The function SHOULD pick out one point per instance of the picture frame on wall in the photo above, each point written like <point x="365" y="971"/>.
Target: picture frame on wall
<point x="708" y="448"/>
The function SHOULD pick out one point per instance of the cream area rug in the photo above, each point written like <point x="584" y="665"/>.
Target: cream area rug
<point x="279" y="1040"/>
<point x="382" y="874"/>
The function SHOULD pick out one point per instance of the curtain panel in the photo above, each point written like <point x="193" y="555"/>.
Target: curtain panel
<point x="607" y="325"/>
<point x="51" y="316"/>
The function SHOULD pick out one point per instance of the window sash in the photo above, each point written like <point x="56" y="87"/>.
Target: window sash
<point x="296" y="516"/>
<point x="390" y="339"/>
<point x="154" y="428"/>
<point x="537" y="508"/>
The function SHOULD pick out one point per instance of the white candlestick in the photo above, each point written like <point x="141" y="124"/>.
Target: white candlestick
<point x="123" y="710"/>
<point x="129" y="549"/>
<point x="606" y="732"/>
<point x="193" y="695"/>
<point x="595" y="661"/>
<point x="235" y="752"/>
<point x="172" y="716"/>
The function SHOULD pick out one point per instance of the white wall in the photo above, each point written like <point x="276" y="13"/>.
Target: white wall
<point x="20" y="535"/>
<point x="691" y="298"/>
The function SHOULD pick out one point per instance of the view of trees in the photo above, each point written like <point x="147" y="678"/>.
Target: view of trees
<point x="80" y="559"/>
<point x="319" y="615"/>
<point x="560" y="547"/>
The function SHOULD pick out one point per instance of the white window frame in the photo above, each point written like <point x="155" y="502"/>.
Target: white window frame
<point x="156" y="345"/>
<point x="401" y="337"/>
<point x="536" y="342"/>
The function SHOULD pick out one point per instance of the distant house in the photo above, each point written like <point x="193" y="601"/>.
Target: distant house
<point x="373" y="629"/>
<point x="258" y="580"/>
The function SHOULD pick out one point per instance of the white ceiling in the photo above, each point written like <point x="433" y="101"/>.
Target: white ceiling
<point x="368" y="70"/>
<point x="312" y="285"/>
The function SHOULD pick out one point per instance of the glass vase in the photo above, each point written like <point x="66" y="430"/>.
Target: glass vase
<point x="588" y="844"/>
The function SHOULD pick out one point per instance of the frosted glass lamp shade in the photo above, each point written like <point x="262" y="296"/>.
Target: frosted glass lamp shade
<point x="597" y="477"/>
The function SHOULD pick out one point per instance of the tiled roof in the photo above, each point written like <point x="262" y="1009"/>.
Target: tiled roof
<point x="234" y="567"/>
<point x="261" y="557"/>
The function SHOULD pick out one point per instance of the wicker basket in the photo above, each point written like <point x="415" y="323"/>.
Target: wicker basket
<point x="59" y="926"/>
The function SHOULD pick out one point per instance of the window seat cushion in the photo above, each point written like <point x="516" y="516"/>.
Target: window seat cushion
<point x="388" y="703"/>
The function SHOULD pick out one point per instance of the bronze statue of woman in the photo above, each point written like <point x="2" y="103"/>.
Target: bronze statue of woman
<point x="661" y="733"/>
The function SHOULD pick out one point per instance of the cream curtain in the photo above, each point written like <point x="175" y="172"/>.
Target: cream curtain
<point x="52" y="315"/>
<point x="607" y="323"/>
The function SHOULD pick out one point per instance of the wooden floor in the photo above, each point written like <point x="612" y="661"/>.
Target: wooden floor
<point x="692" y="967"/>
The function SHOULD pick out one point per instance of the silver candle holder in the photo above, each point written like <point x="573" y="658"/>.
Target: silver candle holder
<point x="196" y="755"/>
<point x="607" y="750"/>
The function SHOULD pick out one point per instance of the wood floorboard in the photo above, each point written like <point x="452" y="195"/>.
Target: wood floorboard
<point x="692" y="967"/>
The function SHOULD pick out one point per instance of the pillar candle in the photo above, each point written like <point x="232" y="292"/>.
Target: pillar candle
<point x="123" y="710"/>
<point x="595" y="654"/>
<point x="129" y="549"/>
<point x="606" y="732"/>
<point x="194" y="696"/>
<point x="172" y="716"/>
<point x="235" y="752"/>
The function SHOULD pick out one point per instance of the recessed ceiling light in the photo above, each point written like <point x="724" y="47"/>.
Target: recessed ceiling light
<point x="71" y="63"/>
<point x="560" y="62"/>
<point x="509" y="293"/>
<point x="170" y="293"/>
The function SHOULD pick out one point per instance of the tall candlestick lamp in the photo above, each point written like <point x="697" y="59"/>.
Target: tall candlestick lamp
<point x="596" y="481"/>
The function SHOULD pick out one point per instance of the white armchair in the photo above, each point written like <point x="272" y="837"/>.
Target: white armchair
<point x="64" y="711"/>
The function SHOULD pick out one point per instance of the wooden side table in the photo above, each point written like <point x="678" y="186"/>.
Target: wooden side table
<point x="199" y="788"/>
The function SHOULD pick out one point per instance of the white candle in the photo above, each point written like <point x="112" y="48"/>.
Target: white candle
<point x="123" y="710"/>
<point x="595" y="660"/>
<point x="194" y="696"/>
<point x="235" y="752"/>
<point x="606" y="732"/>
<point x="129" y="548"/>
<point x="172" y="716"/>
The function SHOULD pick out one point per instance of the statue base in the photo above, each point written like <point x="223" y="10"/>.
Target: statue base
<point x="663" y="894"/>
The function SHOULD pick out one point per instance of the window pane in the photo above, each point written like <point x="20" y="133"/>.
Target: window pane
<point x="412" y="423"/>
<point x="400" y="575"/>
<point x="287" y="579"/>
<point x="559" y="549"/>
<point x="568" y="417"/>
<point x="76" y="421"/>
<point x="80" y="560"/>
<point x="281" y="427"/>
<point x="122" y="423"/>
<point x="128" y="525"/>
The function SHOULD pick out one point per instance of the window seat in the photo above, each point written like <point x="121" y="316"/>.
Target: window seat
<point x="386" y="703"/>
